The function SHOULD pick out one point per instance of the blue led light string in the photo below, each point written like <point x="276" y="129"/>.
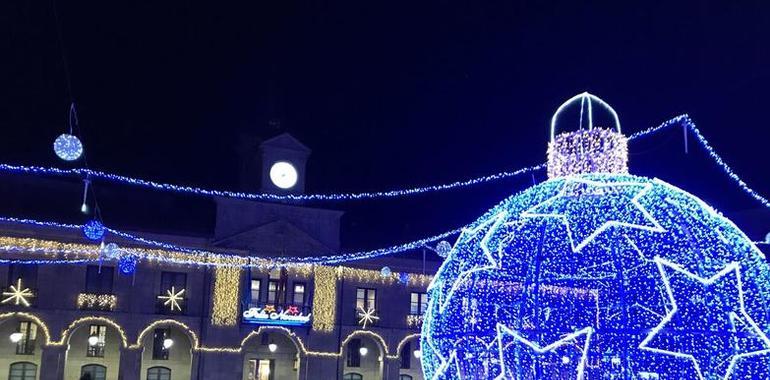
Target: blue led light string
<point x="109" y="177"/>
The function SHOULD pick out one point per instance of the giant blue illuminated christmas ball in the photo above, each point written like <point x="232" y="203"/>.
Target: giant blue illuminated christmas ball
<point x="599" y="274"/>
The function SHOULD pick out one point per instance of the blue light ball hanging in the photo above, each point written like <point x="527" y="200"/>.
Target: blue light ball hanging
<point x="127" y="264"/>
<point x="68" y="147"/>
<point x="385" y="272"/>
<point x="599" y="275"/>
<point x="93" y="230"/>
<point x="443" y="247"/>
<point x="403" y="277"/>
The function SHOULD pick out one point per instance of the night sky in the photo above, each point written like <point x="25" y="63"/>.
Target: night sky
<point x="387" y="94"/>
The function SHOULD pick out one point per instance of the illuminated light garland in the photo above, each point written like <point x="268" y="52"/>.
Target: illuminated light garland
<point x="76" y="323"/>
<point x="168" y="322"/>
<point x="325" y="299"/>
<point x="101" y="301"/>
<point x="414" y="320"/>
<point x="401" y="344"/>
<point x="569" y="341"/>
<point x="226" y="293"/>
<point x="39" y="322"/>
<point x="108" y="177"/>
<point x="542" y="288"/>
<point x="597" y="150"/>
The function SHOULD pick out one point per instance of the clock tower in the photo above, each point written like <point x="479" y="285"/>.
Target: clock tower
<point x="283" y="159"/>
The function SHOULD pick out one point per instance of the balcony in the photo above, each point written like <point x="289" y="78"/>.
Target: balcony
<point x="97" y="302"/>
<point x="285" y="314"/>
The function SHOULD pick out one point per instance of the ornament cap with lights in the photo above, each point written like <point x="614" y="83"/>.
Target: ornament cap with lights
<point x="578" y="146"/>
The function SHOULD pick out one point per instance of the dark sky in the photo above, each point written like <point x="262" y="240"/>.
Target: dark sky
<point x="387" y="94"/>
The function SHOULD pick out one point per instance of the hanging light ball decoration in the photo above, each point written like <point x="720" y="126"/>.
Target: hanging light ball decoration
<point x="94" y="230"/>
<point x="599" y="274"/>
<point x="68" y="147"/>
<point x="110" y="250"/>
<point x="385" y="272"/>
<point x="443" y="247"/>
<point x="127" y="264"/>
<point x="403" y="278"/>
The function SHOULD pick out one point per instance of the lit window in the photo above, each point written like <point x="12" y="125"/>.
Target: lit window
<point x="298" y="294"/>
<point x="418" y="304"/>
<point x="256" y="288"/>
<point x="272" y="291"/>
<point x="366" y="299"/>
<point x="26" y="346"/>
<point x="159" y="350"/>
<point x="97" y="350"/>
<point x="23" y="371"/>
<point x="95" y="371"/>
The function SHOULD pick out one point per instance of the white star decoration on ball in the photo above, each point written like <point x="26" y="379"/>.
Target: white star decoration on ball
<point x="568" y="206"/>
<point x="18" y="294"/>
<point x="568" y="341"/>
<point x="173" y="299"/>
<point x="678" y="316"/>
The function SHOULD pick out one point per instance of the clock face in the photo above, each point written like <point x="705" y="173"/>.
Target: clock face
<point x="283" y="175"/>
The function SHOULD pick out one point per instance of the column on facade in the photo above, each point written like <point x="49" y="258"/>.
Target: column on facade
<point x="52" y="362"/>
<point x="130" y="363"/>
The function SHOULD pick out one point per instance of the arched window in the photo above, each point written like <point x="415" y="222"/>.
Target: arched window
<point x="158" y="373"/>
<point x="97" y="372"/>
<point x="352" y="376"/>
<point x="23" y="371"/>
<point x="404" y="377"/>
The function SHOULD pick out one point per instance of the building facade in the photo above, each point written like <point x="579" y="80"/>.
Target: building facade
<point x="136" y="311"/>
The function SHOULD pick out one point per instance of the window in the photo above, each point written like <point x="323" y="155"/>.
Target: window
<point x="298" y="296"/>
<point x="99" y="279"/>
<point x="354" y="353"/>
<point x="406" y="357"/>
<point x="177" y="280"/>
<point x="366" y="299"/>
<point x="352" y="376"/>
<point x="97" y="350"/>
<point x="22" y="371"/>
<point x="26" y="346"/>
<point x="418" y="304"/>
<point x="27" y="274"/>
<point x="256" y="288"/>
<point x="97" y="372"/>
<point x="273" y="291"/>
<point x="158" y="373"/>
<point x="159" y="350"/>
<point x="404" y="377"/>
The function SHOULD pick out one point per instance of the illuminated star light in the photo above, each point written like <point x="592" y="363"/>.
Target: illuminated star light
<point x="733" y="267"/>
<point x="173" y="298"/>
<point x="367" y="316"/>
<point x="567" y="340"/>
<point x="490" y="262"/>
<point x="18" y="294"/>
<point x="560" y="207"/>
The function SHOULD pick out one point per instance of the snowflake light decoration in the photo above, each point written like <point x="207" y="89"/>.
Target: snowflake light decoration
<point x="173" y="299"/>
<point x="367" y="317"/>
<point x="18" y="294"/>
<point x="597" y="273"/>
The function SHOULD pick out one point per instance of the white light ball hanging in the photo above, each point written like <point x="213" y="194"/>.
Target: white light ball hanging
<point x="167" y="343"/>
<point x="385" y="272"/>
<point x="363" y="351"/>
<point x="68" y="147"/>
<point x="93" y="340"/>
<point x="16" y="337"/>
<point x="443" y="247"/>
<point x="272" y="347"/>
